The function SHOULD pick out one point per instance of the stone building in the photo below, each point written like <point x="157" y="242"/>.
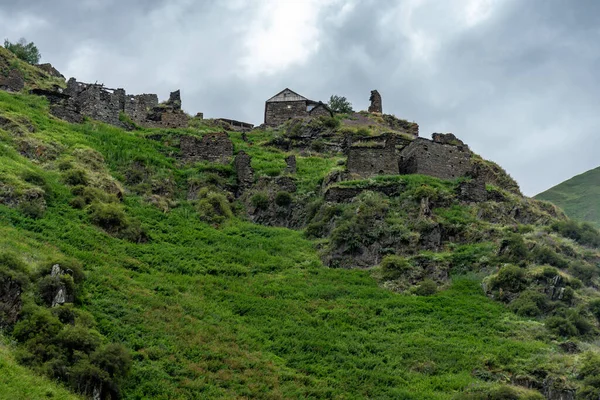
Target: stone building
<point x="445" y="157"/>
<point x="288" y="104"/>
<point x="377" y="156"/>
<point x="104" y="104"/>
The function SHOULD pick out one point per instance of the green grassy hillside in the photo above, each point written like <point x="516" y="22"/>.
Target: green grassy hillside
<point x="578" y="196"/>
<point x="19" y="383"/>
<point x="178" y="295"/>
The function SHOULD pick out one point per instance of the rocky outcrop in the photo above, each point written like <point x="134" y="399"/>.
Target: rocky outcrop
<point x="12" y="81"/>
<point x="50" y="70"/>
<point x="290" y="164"/>
<point x="10" y="301"/>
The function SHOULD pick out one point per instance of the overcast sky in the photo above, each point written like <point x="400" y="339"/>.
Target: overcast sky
<point x="518" y="80"/>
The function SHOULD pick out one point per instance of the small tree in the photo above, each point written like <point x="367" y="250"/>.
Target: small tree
<point x="27" y="52"/>
<point x="340" y="104"/>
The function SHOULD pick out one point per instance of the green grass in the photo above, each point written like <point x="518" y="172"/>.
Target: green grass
<point x="19" y="383"/>
<point x="577" y="196"/>
<point x="245" y="311"/>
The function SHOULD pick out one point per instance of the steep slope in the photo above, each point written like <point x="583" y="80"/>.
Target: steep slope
<point x="19" y="383"/>
<point x="135" y="273"/>
<point x="578" y="196"/>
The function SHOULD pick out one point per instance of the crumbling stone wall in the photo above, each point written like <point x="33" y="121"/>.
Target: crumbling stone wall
<point x="320" y="111"/>
<point x="375" y="99"/>
<point x="138" y="106"/>
<point x="213" y="147"/>
<point x="276" y="113"/>
<point x="95" y="101"/>
<point x="375" y="157"/>
<point x="244" y="171"/>
<point x="435" y="158"/>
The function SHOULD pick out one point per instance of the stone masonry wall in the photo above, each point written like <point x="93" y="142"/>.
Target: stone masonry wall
<point x="213" y="147"/>
<point x="375" y="99"/>
<point x="276" y="113"/>
<point x="320" y="111"/>
<point x="138" y="106"/>
<point x="373" y="158"/>
<point x="444" y="161"/>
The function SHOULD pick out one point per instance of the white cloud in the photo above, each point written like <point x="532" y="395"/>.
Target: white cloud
<point x="281" y="34"/>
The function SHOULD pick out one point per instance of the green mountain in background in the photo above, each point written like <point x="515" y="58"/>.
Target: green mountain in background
<point x="579" y="196"/>
<point x="127" y="272"/>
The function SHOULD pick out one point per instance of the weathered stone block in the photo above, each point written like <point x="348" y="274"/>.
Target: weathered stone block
<point x="375" y="99"/>
<point x="13" y="81"/>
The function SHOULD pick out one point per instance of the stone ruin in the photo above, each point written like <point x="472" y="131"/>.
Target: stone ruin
<point x="96" y="101"/>
<point x="244" y="171"/>
<point x="444" y="157"/>
<point x="375" y="100"/>
<point x="213" y="147"/>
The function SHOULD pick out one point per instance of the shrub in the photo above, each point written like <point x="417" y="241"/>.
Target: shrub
<point x="583" y="233"/>
<point x="513" y="249"/>
<point x="74" y="177"/>
<point x="108" y="216"/>
<point x="545" y="255"/>
<point x="13" y="268"/>
<point x="283" y="199"/>
<point x="212" y="206"/>
<point x="595" y="308"/>
<point x="393" y="267"/>
<point x="260" y="200"/>
<point x="561" y="326"/>
<point x="589" y="374"/>
<point x="78" y="202"/>
<point x="27" y="52"/>
<point x="583" y="271"/>
<point x="33" y="209"/>
<point x="330" y="122"/>
<point x="510" y="278"/>
<point x="530" y="304"/>
<point x="427" y="288"/>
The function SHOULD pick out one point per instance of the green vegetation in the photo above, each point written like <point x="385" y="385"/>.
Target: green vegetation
<point x="19" y="383"/>
<point x="577" y="196"/>
<point x="175" y="294"/>
<point x="339" y="104"/>
<point x="27" y="52"/>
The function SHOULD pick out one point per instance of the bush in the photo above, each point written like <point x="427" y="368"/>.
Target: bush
<point x="545" y="255"/>
<point x="213" y="207"/>
<point x="582" y="233"/>
<point x="283" y="199"/>
<point x="27" y="52"/>
<point x="330" y="122"/>
<point x="510" y="278"/>
<point x="589" y="374"/>
<point x="561" y="326"/>
<point x="427" y="288"/>
<point x="393" y="267"/>
<point x="530" y="304"/>
<point x="260" y="200"/>
<point x="595" y="308"/>
<point x="32" y="209"/>
<point x="583" y="271"/>
<point x="513" y="249"/>
<point x="108" y="216"/>
<point x="74" y="177"/>
<point x="13" y="268"/>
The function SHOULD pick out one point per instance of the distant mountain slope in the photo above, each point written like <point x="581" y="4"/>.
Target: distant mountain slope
<point x="579" y="196"/>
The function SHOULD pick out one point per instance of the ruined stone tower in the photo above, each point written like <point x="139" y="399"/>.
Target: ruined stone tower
<point x="375" y="100"/>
